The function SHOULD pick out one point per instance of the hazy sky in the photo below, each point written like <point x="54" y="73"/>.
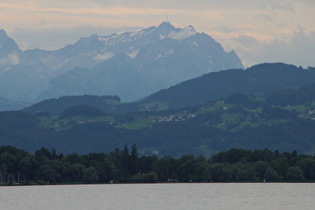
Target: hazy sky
<point x="258" y="30"/>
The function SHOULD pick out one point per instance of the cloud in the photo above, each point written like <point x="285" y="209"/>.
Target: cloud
<point x="295" y="48"/>
<point x="12" y="59"/>
<point x="53" y="24"/>
<point x="182" y="34"/>
<point x="312" y="36"/>
<point x="298" y="50"/>
<point x="277" y="5"/>
<point x="177" y="4"/>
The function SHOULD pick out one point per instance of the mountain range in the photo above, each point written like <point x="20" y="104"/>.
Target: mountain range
<point x="131" y="65"/>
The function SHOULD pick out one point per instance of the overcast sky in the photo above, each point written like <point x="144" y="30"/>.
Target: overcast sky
<point x="258" y="30"/>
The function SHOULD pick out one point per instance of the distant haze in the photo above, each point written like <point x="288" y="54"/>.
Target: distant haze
<point x="259" y="31"/>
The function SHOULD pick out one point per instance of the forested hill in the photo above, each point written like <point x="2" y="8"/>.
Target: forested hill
<point x="56" y="105"/>
<point x="283" y="120"/>
<point x="217" y="85"/>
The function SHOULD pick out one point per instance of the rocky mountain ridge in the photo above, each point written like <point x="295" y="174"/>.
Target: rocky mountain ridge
<point x="131" y="65"/>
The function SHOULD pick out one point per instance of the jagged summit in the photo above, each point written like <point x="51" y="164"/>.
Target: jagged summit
<point x="165" y="26"/>
<point x="9" y="51"/>
<point x="190" y="26"/>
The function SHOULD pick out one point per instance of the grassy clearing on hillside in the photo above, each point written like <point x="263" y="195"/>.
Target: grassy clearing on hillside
<point x="297" y="108"/>
<point x="156" y="105"/>
<point x="138" y="123"/>
<point x="46" y="121"/>
<point x="113" y="102"/>
<point x="231" y="117"/>
<point x="266" y="122"/>
<point x="55" y="123"/>
<point x="210" y="108"/>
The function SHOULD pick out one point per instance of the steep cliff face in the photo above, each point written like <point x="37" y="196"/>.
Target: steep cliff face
<point x="9" y="52"/>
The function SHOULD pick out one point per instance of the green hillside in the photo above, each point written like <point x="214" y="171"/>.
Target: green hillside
<point x="237" y="121"/>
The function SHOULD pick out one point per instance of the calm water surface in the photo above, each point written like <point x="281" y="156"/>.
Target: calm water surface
<point x="160" y="196"/>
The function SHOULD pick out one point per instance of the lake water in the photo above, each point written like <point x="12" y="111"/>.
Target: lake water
<point x="160" y="196"/>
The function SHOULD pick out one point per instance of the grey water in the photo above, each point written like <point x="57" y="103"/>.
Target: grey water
<point x="160" y="196"/>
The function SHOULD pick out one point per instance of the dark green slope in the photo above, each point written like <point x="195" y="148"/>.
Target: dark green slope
<point x="214" y="86"/>
<point x="56" y="105"/>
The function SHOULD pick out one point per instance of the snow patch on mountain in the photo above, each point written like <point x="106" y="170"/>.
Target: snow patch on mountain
<point x="195" y="43"/>
<point x="141" y="33"/>
<point x="103" y="57"/>
<point x="124" y="37"/>
<point x="133" y="54"/>
<point x="210" y="59"/>
<point x="108" y="40"/>
<point x="164" y="54"/>
<point x="162" y="37"/>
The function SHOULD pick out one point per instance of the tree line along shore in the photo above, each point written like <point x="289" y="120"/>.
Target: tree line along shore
<point x="124" y="166"/>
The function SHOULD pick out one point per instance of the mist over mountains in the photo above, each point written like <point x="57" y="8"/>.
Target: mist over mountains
<point x="131" y="65"/>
